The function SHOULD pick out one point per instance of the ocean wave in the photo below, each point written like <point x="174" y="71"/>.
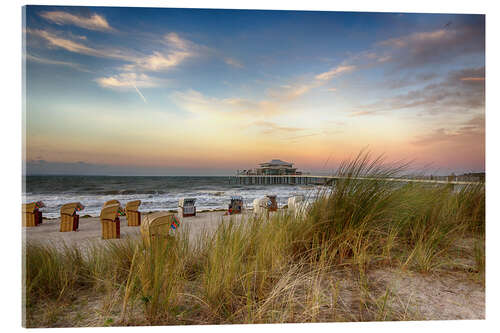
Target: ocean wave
<point x="126" y="192"/>
<point x="155" y="193"/>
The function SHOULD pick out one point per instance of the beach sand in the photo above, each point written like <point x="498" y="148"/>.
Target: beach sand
<point x="89" y="230"/>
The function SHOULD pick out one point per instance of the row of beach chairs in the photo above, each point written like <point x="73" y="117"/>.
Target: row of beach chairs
<point x="153" y="224"/>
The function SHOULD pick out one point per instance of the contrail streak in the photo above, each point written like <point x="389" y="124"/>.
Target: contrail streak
<point x="140" y="94"/>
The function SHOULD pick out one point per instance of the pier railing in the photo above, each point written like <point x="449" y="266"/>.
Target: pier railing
<point x="321" y="180"/>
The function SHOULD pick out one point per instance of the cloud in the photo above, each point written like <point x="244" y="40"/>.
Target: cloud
<point x="436" y="46"/>
<point x="131" y="75"/>
<point x="472" y="132"/>
<point x="233" y="62"/>
<point x="158" y="61"/>
<point x="362" y="113"/>
<point x="41" y="60"/>
<point x="294" y="139"/>
<point x="173" y="39"/>
<point x="91" y="22"/>
<point x="453" y="94"/>
<point x="403" y="80"/>
<point x="179" y="50"/>
<point x="273" y="128"/>
<point x="335" y="72"/>
<point x="195" y="102"/>
<point x="479" y="79"/>
<point x="126" y="81"/>
<point x="288" y="93"/>
<point x="57" y="41"/>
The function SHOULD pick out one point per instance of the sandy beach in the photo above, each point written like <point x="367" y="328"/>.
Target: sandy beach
<point x="89" y="230"/>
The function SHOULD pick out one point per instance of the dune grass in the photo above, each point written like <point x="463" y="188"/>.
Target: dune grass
<point x="287" y="268"/>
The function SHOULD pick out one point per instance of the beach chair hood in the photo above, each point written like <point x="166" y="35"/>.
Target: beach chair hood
<point x="187" y="202"/>
<point x="32" y="206"/>
<point x="133" y="205"/>
<point x="111" y="202"/>
<point x="157" y="225"/>
<point x="111" y="212"/>
<point x="70" y="208"/>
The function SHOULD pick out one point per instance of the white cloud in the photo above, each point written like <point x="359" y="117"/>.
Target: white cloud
<point x="158" y="61"/>
<point x="421" y="37"/>
<point x="177" y="42"/>
<point x="57" y="41"/>
<point x="93" y="22"/>
<point x="127" y="81"/>
<point x="335" y="72"/>
<point x="178" y="50"/>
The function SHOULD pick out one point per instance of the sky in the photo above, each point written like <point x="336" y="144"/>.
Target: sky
<point x="162" y="91"/>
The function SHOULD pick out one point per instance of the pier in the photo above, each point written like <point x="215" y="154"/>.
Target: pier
<point x="327" y="180"/>
<point x="278" y="172"/>
<point x="279" y="179"/>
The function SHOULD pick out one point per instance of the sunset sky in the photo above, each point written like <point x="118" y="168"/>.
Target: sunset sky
<point x="156" y="91"/>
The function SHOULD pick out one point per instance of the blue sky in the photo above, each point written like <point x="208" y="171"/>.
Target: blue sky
<point x="187" y="91"/>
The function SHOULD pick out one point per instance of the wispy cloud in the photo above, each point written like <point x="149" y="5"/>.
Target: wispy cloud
<point x="197" y="103"/>
<point x="452" y="94"/>
<point x="479" y="79"/>
<point x="335" y="71"/>
<point x="469" y="133"/>
<point x="269" y="127"/>
<point x="91" y="22"/>
<point x="126" y="81"/>
<point x="290" y="92"/>
<point x="156" y="61"/>
<point x="176" y="41"/>
<point x="41" y="60"/>
<point x="133" y="73"/>
<point x="233" y="62"/>
<point x="178" y="50"/>
<point x="435" y="46"/>
<point x="55" y="40"/>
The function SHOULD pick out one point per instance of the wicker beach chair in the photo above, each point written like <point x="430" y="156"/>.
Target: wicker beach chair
<point x="110" y="221"/>
<point x="274" y="204"/>
<point x="187" y="207"/>
<point x="31" y="215"/>
<point x="69" y="217"/>
<point x="236" y="205"/>
<point x="133" y="213"/>
<point x="261" y="206"/>
<point x="158" y="226"/>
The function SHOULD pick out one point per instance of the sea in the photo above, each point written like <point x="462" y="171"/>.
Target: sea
<point x="156" y="193"/>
